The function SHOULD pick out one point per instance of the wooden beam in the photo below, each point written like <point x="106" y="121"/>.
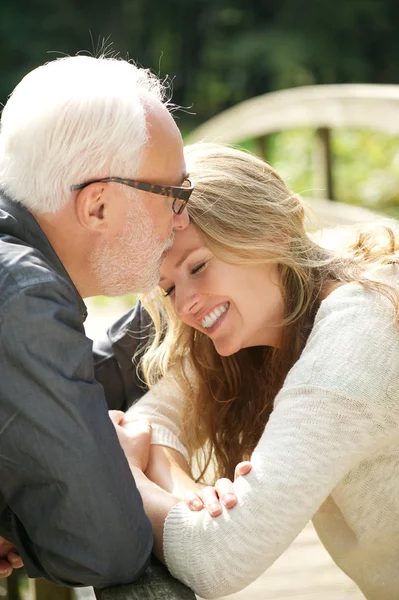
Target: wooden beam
<point x="359" y="106"/>
<point x="261" y="147"/>
<point x="156" y="584"/>
<point x="323" y="164"/>
<point x="12" y="586"/>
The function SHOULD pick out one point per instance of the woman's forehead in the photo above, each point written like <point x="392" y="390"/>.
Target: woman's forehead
<point x="185" y="242"/>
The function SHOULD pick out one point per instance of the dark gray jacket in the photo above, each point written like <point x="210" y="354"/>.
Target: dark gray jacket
<point x="67" y="496"/>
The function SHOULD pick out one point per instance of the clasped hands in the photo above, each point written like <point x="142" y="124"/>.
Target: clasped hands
<point x="135" y="439"/>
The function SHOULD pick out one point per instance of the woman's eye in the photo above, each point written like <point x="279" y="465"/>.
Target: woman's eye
<point x="199" y="268"/>
<point x="193" y="271"/>
<point x="168" y="291"/>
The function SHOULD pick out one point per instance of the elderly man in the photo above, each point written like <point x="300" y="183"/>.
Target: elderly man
<point x="93" y="182"/>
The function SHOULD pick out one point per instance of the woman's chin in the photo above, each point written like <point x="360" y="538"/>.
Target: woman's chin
<point x="226" y="349"/>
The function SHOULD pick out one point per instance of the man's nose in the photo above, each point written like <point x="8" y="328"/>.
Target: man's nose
<point x="181" y="221"/>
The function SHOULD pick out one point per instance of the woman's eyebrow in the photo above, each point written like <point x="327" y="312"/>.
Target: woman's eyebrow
<point x="186" y="255"/>
<point x="181" y="260"/>
<point x="178" y="264"/>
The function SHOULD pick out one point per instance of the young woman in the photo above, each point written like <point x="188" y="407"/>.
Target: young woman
<point x="274" y="349"/>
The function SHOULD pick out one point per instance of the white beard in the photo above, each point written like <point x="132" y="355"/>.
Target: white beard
<point x="132" y="264"/>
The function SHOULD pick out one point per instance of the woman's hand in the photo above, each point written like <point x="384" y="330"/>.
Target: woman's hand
<point x="134" y="437"/>
<point x="212" y="498"/>
<point x="9" y="558"/>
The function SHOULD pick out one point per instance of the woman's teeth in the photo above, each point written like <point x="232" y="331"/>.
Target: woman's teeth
<point x="213" y="316"/>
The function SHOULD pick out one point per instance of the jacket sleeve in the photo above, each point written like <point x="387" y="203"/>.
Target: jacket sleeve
<point x="72" y="506"/>
<point x="116" y="359"/>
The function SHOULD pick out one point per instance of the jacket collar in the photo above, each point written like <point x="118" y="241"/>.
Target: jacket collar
<point x="17" y="221"/>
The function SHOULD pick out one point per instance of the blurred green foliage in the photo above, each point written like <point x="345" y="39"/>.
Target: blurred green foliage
<point x="365" y="165"/>
<point x="217" y="52"/>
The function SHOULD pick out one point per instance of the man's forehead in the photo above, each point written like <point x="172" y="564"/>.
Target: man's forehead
<point x="163" y="159"/>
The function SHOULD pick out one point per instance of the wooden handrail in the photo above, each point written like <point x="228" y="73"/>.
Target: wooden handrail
<point x="365" y="106"/>
<point x="321" y="107"/>
<point x="156" y="584"/>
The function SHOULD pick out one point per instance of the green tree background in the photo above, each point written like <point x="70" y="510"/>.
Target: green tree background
<point x="219" y="52"/>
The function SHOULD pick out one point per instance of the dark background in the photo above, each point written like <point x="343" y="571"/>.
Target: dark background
<point x="218" y="52"/>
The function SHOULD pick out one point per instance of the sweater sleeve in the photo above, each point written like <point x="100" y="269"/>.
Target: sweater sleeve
<point x="337" y="406"/>
<point x="163" y="406"/>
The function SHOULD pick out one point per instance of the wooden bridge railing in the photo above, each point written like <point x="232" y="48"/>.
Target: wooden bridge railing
<point x="155" y="584"/>
<point x="323" y="108"/>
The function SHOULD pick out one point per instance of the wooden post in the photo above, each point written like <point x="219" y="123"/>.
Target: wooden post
<point x="261" y="147"/>
<point x="40" y="589"/>
<point x="323" y="164"/>
<point x="12" y="587"/>
<point x="156" y="584"/>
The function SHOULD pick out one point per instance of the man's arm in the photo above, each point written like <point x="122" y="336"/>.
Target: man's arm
<point x="116" y="358"/>
<point x="74" y="511"/>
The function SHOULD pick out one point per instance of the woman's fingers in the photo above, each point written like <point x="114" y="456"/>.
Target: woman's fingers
<point x="5" y="568"/>
<point x="15" y="560"/>
<point x="211" y="501"/>
<point x="243" y="468"/>
<point x="193" y="501"/>
<point x="139" y="427"/>
<point x="225" y="490"/>
<point x="212" y="498"/>
<point x="116" y="416"/>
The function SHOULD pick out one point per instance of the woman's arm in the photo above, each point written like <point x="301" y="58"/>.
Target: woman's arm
<point x="157" y="505"/>
<point x="168" y="457"/>
<point x="163" y="406"/>
<point x="169" y="470"/>
<point x="337" y="408"/>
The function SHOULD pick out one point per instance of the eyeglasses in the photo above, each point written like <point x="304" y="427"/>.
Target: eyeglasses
<point x="180" y="194"/>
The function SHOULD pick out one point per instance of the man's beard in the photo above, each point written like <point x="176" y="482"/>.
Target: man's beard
<point x="133" y="262"/>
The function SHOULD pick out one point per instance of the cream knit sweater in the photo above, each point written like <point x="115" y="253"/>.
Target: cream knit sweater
<point x="330" y="452"/>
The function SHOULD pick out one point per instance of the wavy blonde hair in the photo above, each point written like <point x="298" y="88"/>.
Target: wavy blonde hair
<point x="248" y="216"/>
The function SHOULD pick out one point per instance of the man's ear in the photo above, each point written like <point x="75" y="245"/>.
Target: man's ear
<point x="91" y="206"/>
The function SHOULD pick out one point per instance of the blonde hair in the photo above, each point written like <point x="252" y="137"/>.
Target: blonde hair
<point x="248" y="216"/>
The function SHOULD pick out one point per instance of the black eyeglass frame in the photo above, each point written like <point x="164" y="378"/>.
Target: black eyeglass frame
<point x="171" y="191"/>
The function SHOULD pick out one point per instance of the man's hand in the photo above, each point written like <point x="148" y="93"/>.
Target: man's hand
<point x="211" y="498"/>
<point x="9" y="558"/>
<point x="134" y="437"/>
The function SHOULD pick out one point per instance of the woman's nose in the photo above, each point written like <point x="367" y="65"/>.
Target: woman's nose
<point x="186" y="302"/>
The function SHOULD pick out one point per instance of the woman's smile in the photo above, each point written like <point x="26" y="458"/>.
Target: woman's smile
<point x="196" y="282"/>
<point x="214" y="316"/>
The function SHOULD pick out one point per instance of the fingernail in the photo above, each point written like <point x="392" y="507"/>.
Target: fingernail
<point x="228" y="499"/>
<point x="214" y="508"/>
<point x="197" y="504"/>
<point x="15" y="553"/>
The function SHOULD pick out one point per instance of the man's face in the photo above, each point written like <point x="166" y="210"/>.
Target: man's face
<point x="143" y="223"/>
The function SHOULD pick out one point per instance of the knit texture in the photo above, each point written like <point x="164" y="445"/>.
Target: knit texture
<point x="330" y="452"/>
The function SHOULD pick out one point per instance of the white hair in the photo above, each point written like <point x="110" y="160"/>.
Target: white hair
<point x="72" y="120"/>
